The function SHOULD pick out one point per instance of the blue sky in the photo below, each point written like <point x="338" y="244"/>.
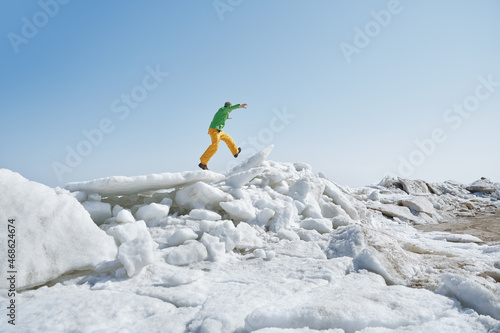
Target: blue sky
<point x="356" y="89"/>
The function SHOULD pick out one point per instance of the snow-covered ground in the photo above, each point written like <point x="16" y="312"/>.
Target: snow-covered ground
<point x="267" y="247"/>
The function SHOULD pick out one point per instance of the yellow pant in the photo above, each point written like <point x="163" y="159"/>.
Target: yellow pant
<point x="216" y="136"/>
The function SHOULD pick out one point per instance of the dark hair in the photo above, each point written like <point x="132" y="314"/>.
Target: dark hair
<point x="227" y="104"/>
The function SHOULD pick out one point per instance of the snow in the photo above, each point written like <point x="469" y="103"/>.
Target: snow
<point x="182" y="235"/>
<point x="203" y="214"/>
<point x="268" y="247"/>
<point x="136" y="247"/>
<point x="152" y="211"/>
<point x="124" y="216"/>
<point x="320" y="225"/>
<point x="200" y="196"/>
<point x="189" y="253"/>
<point x="53" y="235"/>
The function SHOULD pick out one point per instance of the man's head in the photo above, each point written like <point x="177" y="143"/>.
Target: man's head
<point x="227" y="104"/>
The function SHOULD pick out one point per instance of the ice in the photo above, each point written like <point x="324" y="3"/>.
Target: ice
<point x="119" y="185"/>
<point x="265" y="215"/>
<point x="346" y="242"/>
<point x="53" y="234"/>
<point x="393" y="210"/>
<point x="288" y="234"/>
<point x="419" y="204"/>
<point x="215" y="249"/>
<point x="334" y="192"/>
<point x="227" y="233"/>
<point x="371" y="304"/>
<point x="190" y="252"/>
<point x="182" y="235"/>
<point x="252" y="162"/>
<point x="249" y="237"/>
<point x="204" y="214"/>
<point x="321" y="225"/>
<point x="99" y="211"/>
<point x="242" y="178"/>
<point x="200" y="196"/>
<point x="285" y="218"/>
<point x="76" y="309"/>
<point x="269" y="247"/>
<point x="125" y="216"/>
<point x="136" y="247"/>
<point x="152" y="212"/>
<point x="472" y="294"/>
<point x="241" y="210"/>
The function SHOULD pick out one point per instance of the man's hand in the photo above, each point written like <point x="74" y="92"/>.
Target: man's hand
<point x="243" y="106"/>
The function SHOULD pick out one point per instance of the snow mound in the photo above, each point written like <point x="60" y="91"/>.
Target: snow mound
<point x="54" y="234"/>
<point x="275" y="247"/>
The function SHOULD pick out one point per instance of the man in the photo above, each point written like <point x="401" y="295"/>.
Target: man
<point x="216" y="134"/>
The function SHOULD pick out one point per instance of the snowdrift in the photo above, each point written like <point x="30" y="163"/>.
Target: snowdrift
<point x="53" y="235"/>
<point x="272" y="247"/>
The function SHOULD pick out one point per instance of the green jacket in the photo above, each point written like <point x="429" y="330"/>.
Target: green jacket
<point x="220" y="117"/>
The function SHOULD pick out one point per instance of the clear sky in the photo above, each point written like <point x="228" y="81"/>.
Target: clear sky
<point x="356" y="89"/>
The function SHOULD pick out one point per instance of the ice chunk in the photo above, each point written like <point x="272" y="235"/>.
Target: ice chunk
<point x="242" y="178"/>
<point x="203" y="214"/>
<point x="320" y="225"/>
<point x="135" y="255"/>
<point x="125" y="216"/>
<point x="345" y="242"/>
<point x="182" y="235"/>
<point x="481" y="185"/>
<point x="366" y="259"/>
<point x="284" y="218"/>
<point x="200" y="196"/>
<point x="228" y="234"/>
<point x="190" y="252"/>
<point x="249" y="239"/>
<point x="253" y="161"/>
<point x="116" y="209"/>
<point x="288" y="234"/>
<point x="342" y="220"/>
<point x="240" y="210"/>
<point x="152" y="211"/>
<point x="216" y="250"/>
<point x="128" y="185"/>
<point x="99" y="211"/>
<point x="419" y="204"/>
<point x="207" y="225"/>
<point x="136" y="245"/>
<point x="329" y="209"/>
<point x="308" y="190"/>
<point x="265" y="215"/>
<point x="334" y="192"/>
<point x="259" y="253"/>
<point x="270" y="255"/>
<point x="54" y="234"/>
<point x="374" y="196"/>
<point x="392" y="210"/>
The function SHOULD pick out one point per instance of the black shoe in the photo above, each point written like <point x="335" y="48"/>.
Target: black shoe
<point x="203" y="166"/>
<point x="239" y="151"/>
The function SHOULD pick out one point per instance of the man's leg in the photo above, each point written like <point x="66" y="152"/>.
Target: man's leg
<point x="215" y="136"/>
<point x="230" y="142"/>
